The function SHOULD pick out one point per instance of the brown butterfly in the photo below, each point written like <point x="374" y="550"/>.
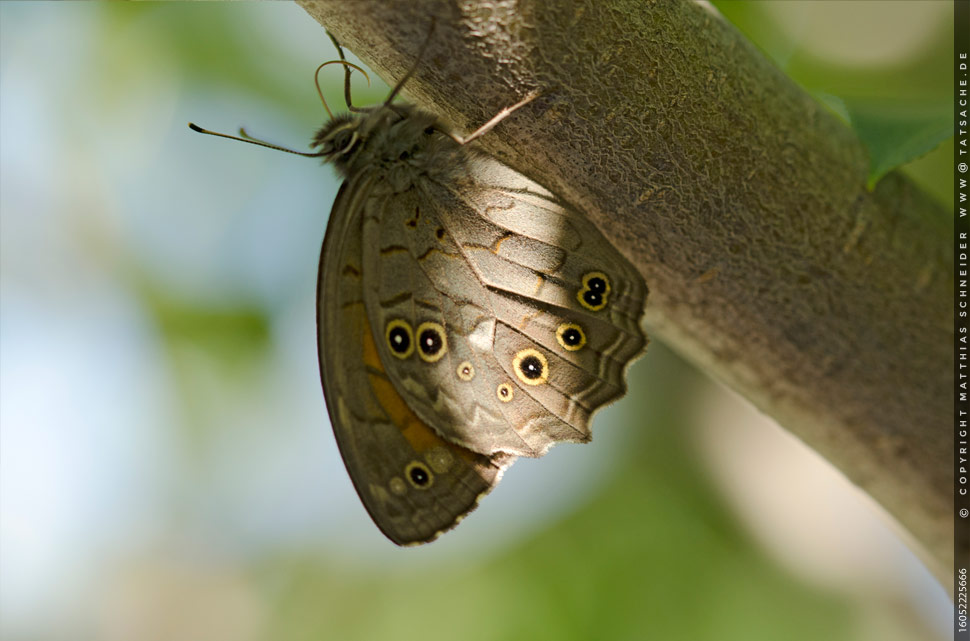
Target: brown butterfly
<point x="466" y="315"/>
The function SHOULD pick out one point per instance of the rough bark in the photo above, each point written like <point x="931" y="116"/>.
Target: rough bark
<point x="740" y="199"/>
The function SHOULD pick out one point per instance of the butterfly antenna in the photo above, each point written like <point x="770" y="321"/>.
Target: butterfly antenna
<point x="348" y="66"/>
<point x="244" y="137"/>
<point x="414" y="67"/>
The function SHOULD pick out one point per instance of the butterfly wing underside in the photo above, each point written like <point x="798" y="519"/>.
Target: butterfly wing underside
<point x="414" y="484"/>
<point x="500" y="268"/>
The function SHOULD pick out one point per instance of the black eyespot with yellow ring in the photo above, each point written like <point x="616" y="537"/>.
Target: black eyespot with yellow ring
<point x="571" y="336"/>
<point x="504" y="392"/>
<point x="400" y="338"/>
<point x="595" y="292"/>
<point x="531" y="367"/>
<point x="419" y="475"/>
<point x="466" y="371"/>
<point x="432" y="341"/>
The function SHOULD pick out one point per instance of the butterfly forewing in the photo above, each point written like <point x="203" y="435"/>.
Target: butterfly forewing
<point x="413" y="483"/>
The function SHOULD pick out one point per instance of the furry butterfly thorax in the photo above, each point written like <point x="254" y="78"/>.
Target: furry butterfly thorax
<point x="399" y="138"/>
<point x="465" y="315"/>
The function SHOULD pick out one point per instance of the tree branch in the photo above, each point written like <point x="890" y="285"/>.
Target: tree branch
<point x="741" y="201"/>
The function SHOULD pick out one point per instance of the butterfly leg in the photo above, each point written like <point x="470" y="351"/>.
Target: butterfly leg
<point x="340" y="52"/>
<point x="499" y="117"/>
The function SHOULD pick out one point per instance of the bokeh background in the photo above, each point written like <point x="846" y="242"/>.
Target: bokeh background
<point x="167" y="470"/>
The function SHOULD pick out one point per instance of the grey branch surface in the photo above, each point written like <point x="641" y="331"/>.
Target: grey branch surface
<point x="740" y="199"/>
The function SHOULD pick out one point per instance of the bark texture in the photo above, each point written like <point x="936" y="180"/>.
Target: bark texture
<point x="740" y="199"/>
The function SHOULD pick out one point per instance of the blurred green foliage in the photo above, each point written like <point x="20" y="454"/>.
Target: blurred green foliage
<point x="901" y="110"/>
<point x="896" y="134"/>
<point x="653" y="556"/>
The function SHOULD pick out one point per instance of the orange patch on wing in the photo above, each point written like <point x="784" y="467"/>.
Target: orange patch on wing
<point x="371" y="357"/>
<point x="418" y="433"/>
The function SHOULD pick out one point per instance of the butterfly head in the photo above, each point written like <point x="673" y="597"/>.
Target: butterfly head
<point x="379" y="137"/>
<point x="339" y="140"/>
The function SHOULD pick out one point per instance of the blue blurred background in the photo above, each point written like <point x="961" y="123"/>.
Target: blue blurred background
<point x="167" y="470"/>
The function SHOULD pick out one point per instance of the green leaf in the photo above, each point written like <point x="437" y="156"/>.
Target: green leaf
<point x="897" y="134"/>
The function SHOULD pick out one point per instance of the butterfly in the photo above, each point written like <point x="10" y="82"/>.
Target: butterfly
<point x="466" y="315"/>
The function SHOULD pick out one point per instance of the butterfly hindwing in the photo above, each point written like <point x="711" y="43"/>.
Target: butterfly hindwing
<point x="420" y="287"/>
<point x="499" y="273"/>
